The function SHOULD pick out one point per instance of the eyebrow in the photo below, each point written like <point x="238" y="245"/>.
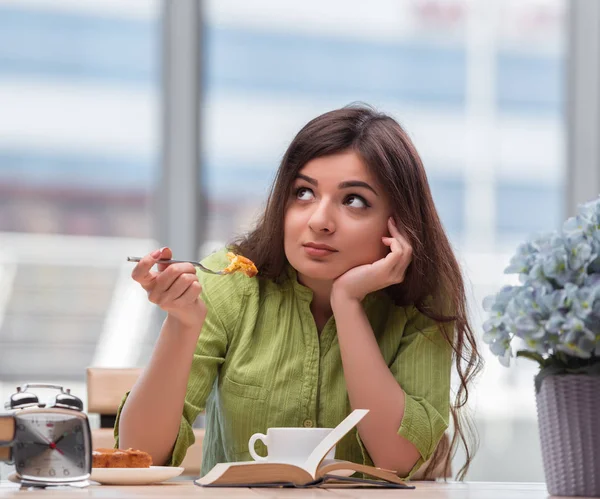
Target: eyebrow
<point x="341" y="185"/>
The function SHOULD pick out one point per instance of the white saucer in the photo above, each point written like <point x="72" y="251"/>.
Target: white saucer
<point x="134" y="476"/>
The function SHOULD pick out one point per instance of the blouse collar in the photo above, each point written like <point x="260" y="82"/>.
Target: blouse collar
<point x="305" y="293"/>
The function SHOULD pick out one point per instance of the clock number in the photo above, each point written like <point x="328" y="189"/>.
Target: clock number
<point x="21" y="427"/>
<point x="51" y="472"/>
<point x="21" y="465"/>
<point x="20" y="445"/>
<point x="80" y="464"/>
<point x="79" y="448"/>
<point x="78" y="429"/>
<point x="66" y="472"/>
<point x="39" y="470"/>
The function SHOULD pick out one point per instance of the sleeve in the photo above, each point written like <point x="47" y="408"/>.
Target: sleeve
<point x="422" y="367"/>
<point x="220" y="295"/>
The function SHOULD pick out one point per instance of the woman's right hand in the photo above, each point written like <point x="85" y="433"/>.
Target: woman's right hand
<point x="174" y="288"/>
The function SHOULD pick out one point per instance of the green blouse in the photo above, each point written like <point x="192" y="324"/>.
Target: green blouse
<point x="260" y="362"/>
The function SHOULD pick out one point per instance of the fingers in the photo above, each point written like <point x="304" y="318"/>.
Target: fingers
<point x="395" y="233"/>
<point x="191" y="294"/>
<point x="400" y="255"/>
<point x="397" y="257"/>
<point x="175" y="287"/>
<point x="172" y="283"/>
<point x="165" y="254"/>
<point x="395" y="245"/>
<point x="141" y="272"/>
<point x="397" y="236"/>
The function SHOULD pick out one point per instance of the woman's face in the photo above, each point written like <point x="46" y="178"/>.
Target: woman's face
<point x="335" y="218"/>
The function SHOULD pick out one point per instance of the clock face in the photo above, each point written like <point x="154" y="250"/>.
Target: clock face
<point x="52" y="446"/>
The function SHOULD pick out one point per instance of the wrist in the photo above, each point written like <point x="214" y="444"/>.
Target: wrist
<point x="184" y="327"/>
<point x="341" y="300"/>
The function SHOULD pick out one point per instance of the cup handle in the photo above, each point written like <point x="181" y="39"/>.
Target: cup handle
<point x="252" y="442"/>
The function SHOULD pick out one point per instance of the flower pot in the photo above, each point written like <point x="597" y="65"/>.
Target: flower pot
<point x="568" y="408"/>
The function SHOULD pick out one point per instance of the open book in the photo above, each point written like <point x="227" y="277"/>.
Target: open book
<point x="314" y="473"/>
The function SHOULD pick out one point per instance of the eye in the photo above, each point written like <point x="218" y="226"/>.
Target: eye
<point x="356" y="201"/>
<point x="304" y="194"/>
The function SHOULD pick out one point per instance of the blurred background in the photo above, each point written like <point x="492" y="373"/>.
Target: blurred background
<point x="125" y="126"/>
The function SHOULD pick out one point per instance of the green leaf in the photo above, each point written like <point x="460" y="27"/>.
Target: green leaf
<point x="532" y="356"/>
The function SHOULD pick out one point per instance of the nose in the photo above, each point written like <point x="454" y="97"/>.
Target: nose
<point x="322" y="217"/>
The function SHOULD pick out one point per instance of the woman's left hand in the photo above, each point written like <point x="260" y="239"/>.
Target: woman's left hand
<point x="358" y="282"/>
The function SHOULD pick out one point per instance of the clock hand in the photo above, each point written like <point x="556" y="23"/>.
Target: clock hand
<point x="43" y="437"/>
<point x="60" y="438"/>
<point x="50" y="444"/>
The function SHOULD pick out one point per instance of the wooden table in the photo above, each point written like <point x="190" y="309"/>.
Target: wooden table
<point x="186" y="489"/>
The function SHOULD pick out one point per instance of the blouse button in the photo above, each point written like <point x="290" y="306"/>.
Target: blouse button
<point x="308" y="423"/>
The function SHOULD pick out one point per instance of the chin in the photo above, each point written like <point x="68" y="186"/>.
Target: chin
<point x="315" y="269"/>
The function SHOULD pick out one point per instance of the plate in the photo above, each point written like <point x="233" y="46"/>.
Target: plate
<point x="134" y="476"/>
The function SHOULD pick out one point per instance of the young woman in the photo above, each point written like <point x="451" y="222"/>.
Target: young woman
<point x="359" y="303"/>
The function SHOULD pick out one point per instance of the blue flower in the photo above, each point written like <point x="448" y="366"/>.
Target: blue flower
<point x="556" y="307"/>
<point x="496" y="304"/>
<point x="524" y="259"/>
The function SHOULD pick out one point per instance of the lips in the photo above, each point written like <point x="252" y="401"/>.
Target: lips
<point x="319" y="246"/>
<point x="316" y="250"/>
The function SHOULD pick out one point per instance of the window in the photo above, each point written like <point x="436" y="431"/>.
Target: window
<point x="79" y="90"/>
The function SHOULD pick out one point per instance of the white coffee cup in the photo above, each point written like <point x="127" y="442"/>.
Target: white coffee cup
<point x="289" y="445"/>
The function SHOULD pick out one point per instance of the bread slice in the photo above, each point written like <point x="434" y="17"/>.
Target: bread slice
<point x="120" y="458"/>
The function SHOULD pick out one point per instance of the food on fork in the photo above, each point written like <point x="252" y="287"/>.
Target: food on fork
<point x="120" y="458"/>
<point x="242" y="264"/>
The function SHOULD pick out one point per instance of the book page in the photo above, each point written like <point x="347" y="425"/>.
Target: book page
<point x="251" y="473"/>
<point x="314" y="460"/>
<point x="336" y="482"/>
<point x="387" y="475"/>
<point x="7" y="428"/>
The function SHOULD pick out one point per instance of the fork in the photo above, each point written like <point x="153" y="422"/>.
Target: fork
<point x="196" y="264"/>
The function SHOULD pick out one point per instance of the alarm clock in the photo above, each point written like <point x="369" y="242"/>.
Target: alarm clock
<point x="49" y="445"/>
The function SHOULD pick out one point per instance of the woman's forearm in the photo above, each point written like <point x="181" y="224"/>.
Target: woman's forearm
<point x="372" y="386"/>
<point x="151" y="415"/>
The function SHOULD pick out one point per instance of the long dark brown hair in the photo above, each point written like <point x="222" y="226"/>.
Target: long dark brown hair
<point x="433" y="282"/>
